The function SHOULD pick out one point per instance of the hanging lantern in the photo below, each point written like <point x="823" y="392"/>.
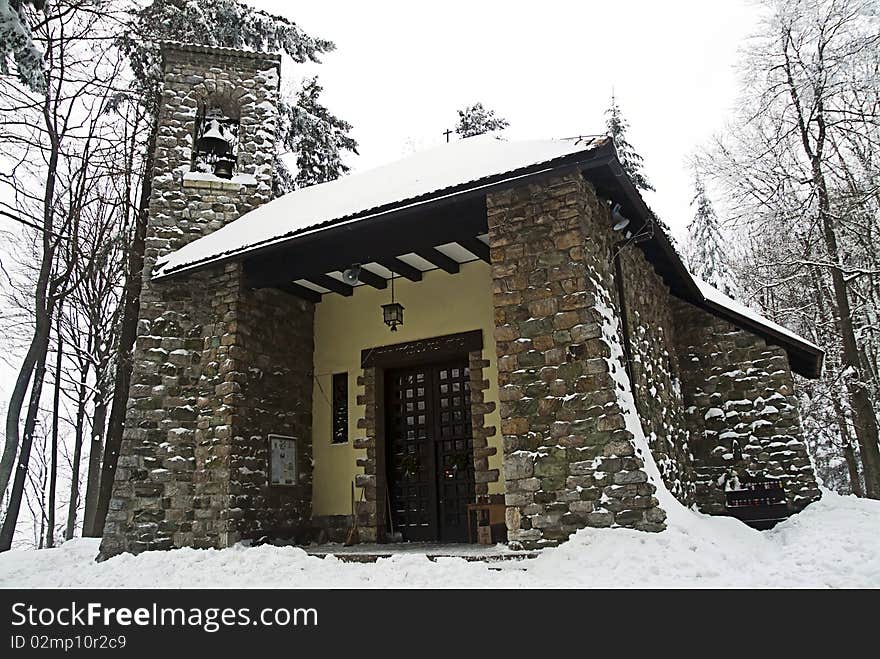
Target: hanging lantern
<point x="214" y="140"/>
<point x="392" y="313"/>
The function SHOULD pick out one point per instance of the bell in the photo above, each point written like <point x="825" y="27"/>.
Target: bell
<point x="214" y="141"/>
<point x="223" y="167"/>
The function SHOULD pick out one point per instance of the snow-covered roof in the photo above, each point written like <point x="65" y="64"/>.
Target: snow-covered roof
<point x="718" y="301"/>
<point x="416" y="178"/>
<point x="223" y="51"/>
<point x="712" y="294"/>
<point x="444" y="172"/>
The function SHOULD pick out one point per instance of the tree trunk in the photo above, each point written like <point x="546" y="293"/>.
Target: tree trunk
<point x="13" y="412"/>
<point x="42" y="310"/>
<point x="7" y="532"/>
<point x="848" y="452"/>
<point x="53" y="474"/>
<point x="93" y="480"/>
<point x="128" y="334"/>
<point x="853" y="468"/>
<point x="864" y="417"/>
<point x="849" y="456"/>
<point x="73" y="506"/>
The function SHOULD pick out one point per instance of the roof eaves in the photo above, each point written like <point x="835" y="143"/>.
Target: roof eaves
<point x="805" y="358"/>
<point x="659" y="238"/>
<point x="221" y="51"/>
<point x="595" y="155"/>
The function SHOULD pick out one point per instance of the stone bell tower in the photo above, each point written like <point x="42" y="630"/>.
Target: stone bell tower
<point x="204" y="394"/>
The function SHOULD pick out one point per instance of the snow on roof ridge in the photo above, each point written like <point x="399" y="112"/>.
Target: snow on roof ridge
<point x="426" y="173"/>
<point x="244" y="51"/>
<point x="715" y="296"/>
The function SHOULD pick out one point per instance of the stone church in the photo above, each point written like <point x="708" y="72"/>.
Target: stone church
<point x="483" y="327"/>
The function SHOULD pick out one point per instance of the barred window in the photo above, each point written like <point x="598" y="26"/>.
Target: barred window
<point x="340" y="408"/>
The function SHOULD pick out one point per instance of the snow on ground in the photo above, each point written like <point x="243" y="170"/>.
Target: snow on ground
<point x="833" y="543"/>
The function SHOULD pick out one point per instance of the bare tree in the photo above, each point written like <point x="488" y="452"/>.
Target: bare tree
<point x="798" y="173"/>
<point x="55" y="142"/>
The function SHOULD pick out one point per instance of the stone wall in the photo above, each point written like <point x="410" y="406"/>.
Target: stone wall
<point x="569" y="459"/>
<point x="741" y="410"/>
<point x="655" y="371"/>
<point x="204" y="393"/>
<point x="480" y="408"/>
<point x="272" y="392"/>
<point x="370" y="515"/>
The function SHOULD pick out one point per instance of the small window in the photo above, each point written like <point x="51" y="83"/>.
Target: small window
<point x="340" y="408"/>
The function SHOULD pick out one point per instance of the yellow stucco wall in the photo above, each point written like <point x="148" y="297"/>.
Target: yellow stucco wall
<point x="439" y="304"/>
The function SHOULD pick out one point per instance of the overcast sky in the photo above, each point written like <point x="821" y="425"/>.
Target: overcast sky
<point x="402" y="69"/>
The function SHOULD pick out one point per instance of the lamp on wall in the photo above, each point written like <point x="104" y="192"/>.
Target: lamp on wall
<point x="352" y="275"/>
<point x="392" y="313"/>
<point x="620" y="222"/>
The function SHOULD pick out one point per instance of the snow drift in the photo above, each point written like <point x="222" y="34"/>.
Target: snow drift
<point x="834" y="543"/>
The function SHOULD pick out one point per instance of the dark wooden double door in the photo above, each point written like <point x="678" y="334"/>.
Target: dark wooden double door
<point x="430" y="459"/>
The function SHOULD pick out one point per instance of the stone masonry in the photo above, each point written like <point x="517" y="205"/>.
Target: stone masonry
<point x="741" y="411"/>
<point x="569" y="460"/>
<point x="603" y="373"/>
<point x="656" y="374"/>
<point x="216" y="366"/>
<point x="713" y="400"/>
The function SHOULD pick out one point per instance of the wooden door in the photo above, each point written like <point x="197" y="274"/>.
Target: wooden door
<point x="430" y="450"/>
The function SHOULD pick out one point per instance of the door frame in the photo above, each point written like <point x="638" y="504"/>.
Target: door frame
<point x="423" y="351"/>
<point x="432" y="370"/>
<point x="374" y="362"/>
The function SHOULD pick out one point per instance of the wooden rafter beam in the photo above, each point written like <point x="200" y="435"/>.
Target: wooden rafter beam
<point x="372" y="279"/>
<point x="401" y="268"/>
<point x="476" y="247"/>
<point x="336" y="248"/>
<point x="438" y="258"/>
<point x="332" y="284"/>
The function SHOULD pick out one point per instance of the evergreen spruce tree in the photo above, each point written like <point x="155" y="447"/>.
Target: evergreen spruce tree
<point x="317" y="137"/>
<point x="616" y="126"/>
<point x="17" y="42"/>
<point x="705" y="253"/>
<point x="478" y="120"/>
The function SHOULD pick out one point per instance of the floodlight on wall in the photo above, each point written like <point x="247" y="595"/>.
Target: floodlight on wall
<point x="620" y="222"/>
<point x="352" y="275"/>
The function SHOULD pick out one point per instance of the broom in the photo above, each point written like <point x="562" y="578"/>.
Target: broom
<point x="353" y="536"/>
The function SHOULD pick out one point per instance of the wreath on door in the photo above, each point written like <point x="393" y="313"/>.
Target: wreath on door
<point x="410" y="464"/>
